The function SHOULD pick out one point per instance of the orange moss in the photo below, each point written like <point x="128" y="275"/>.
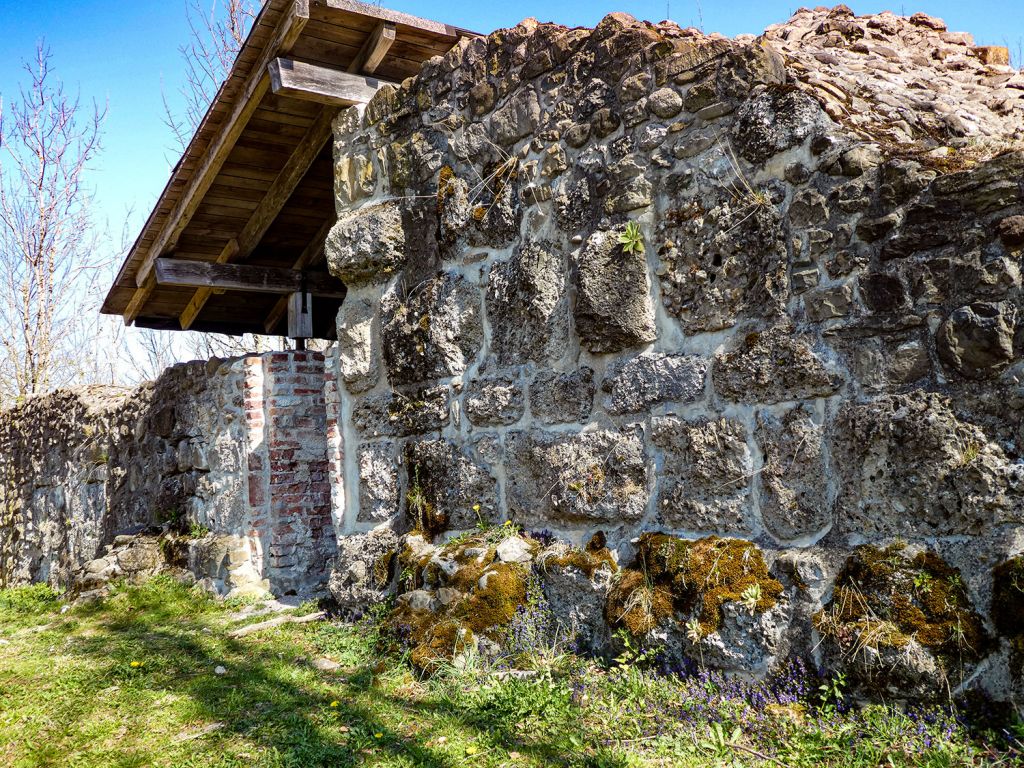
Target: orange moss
<point x="637" y="604"/>
<point x="494" y="604"/>
<point x="883" y="597"/>
<point x="441" y="641"/>
<point x="708" y="573"/>
<point x="703" y="575"/>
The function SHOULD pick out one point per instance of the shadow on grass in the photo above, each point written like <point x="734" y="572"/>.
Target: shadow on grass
<point x="269" y="708"/>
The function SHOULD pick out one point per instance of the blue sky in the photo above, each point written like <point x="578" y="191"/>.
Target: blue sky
<point x="125" y="54"/>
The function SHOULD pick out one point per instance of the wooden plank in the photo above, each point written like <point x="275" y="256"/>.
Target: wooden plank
<point x="300" y="315"/>
<point x="374" y="49"/>
<point x="323" y="85"/>
<point x="246" y="104"/>
<point x="244" y="277"/>
<point x="269" y="208"/>
<point x="142" y="294"/>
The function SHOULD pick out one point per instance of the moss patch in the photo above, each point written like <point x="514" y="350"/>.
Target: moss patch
<point x="590" y="560"/>
<point x="885" y="597"/>
<point x="692" y="576"/>
<point x="494" y="604"/>
<point x="487" y="595"/>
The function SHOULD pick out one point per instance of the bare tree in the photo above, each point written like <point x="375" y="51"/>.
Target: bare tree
<point x="216" y="37"/>
<point x="47" y="253"/>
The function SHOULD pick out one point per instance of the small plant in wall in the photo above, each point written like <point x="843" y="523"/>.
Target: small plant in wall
<point x="632" y="239"/>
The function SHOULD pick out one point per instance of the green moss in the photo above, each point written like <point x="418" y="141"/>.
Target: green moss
<point x="590" y="560"/>
<point x="494" y="605"/>
<point x="698" y="576"/>
<point x="491" y="593"/>
<point x="884" y="598"/>
<point x="1008" y="597"/>
<point x="440" y="641"/>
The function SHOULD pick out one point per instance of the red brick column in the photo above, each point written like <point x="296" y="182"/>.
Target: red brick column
<point x="288" y="471"/>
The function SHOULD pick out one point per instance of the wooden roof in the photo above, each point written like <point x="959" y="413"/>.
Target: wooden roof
<point x="255" y="185"/>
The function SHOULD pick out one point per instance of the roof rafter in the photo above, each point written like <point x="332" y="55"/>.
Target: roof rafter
<point x="374" y="49"/>
<point x="240" y="247"/>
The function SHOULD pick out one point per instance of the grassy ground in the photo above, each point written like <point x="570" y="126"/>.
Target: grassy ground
<point x="133" y="681"/>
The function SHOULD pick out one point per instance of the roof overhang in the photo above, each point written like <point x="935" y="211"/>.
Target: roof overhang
<point x="254" y="188"/>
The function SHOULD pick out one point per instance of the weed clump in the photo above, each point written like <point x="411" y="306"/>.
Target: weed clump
<point x="672" y="575"/>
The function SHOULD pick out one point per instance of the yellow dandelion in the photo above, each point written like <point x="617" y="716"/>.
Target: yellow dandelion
<point x="135" y="664"/>
<point x="472" y="750"/>
<point x="378" y="735"/>
<point x="335" y="704"/>
<point x="476" y="507"/>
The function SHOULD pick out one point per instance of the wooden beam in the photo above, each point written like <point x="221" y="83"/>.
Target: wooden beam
<point x="323" y="85"/>
<point x="245" y="277"/>
<point x="395" y="17"/>
<point x="374" y="49"/>
<point x="300" y="315"/>
<point x="273" y="201"/>
<point x="309" y="254"/>
<point x="138" y="300"/>
<point x="291" y="26"/>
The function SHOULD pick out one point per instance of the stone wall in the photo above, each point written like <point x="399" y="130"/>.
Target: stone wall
<point x="809" y="335"/>
<point x="230" y="453"/>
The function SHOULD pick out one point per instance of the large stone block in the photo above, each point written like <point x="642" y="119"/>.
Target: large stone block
<point x="723" y="258"/>
<point x="705" y="475"/>
<point x="563" y="398"/>
<point x="795" y="498"/>
<point x="772" y="367"/>
<point x="447" y="489"/>
<point x="409" y="411"/>
<point x="566" y="479"/>
<point x="359" y="343"/>
<point x="367" y="245"/>
<point x="527" y="306"/>
<point x="378" y="481"/>
<point x="432" y="330"/>
<point x="774" y="121"/>
<point x="365" y="567"/>
<point x="909" y="467"/>
<point x="517" y="118"/>
<point x="640" y="383"/>
<point x="494" y="401"/>
<point x="613" y="309"/>
<point x="977" y="341"/>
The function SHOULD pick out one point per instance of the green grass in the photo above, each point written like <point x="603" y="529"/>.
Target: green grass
<point x="71" y="696"/>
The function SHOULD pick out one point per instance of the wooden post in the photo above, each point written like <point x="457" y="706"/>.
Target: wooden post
<point x="300" y="315"/>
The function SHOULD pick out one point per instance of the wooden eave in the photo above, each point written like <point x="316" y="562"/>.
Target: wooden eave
<point x="255" y="185"/>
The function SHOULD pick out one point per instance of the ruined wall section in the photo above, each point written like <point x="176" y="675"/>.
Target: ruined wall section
<point x="638" y="278"/>
<point x="231" y="454"/>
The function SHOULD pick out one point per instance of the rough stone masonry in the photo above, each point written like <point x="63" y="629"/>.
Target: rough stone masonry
<point x="780" y="414"/>
<point x="783" y="416"/>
